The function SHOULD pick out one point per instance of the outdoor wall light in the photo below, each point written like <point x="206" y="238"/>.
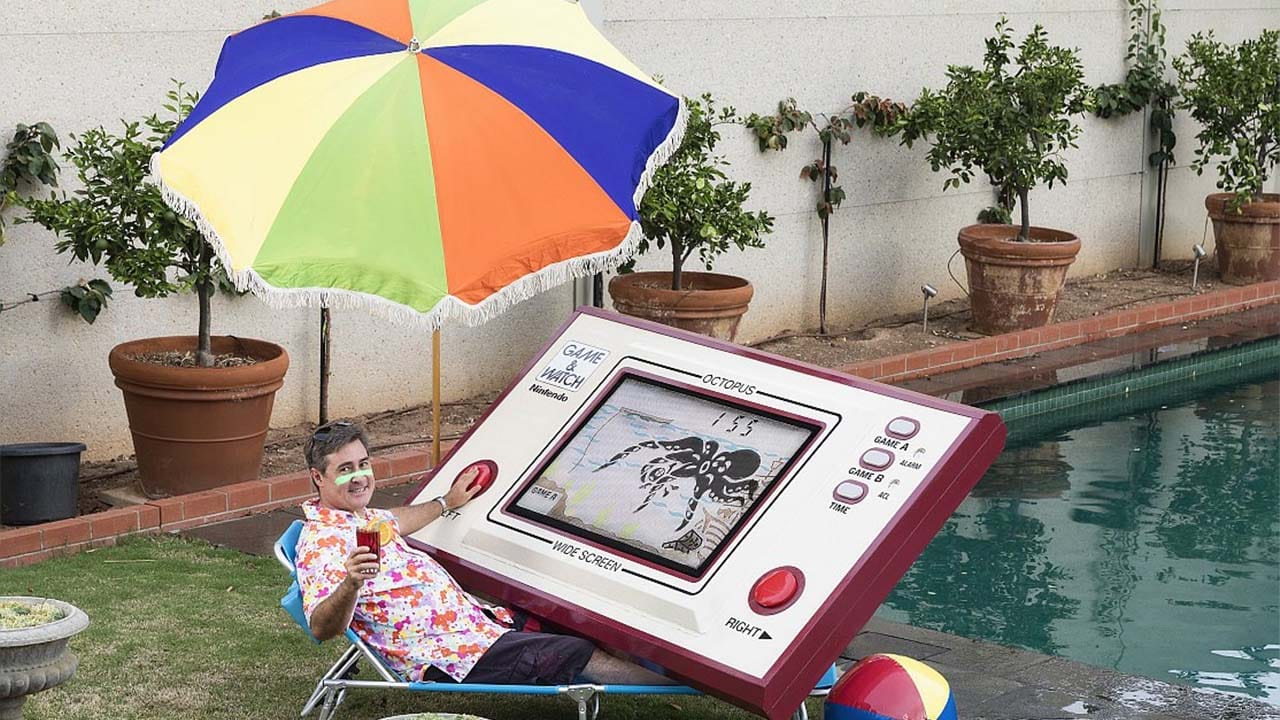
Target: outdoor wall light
<point x="928" y="291"/>
<point x="1199" y="251"/>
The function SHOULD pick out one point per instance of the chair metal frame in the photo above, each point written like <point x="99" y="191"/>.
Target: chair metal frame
<point x="331" y="690"/>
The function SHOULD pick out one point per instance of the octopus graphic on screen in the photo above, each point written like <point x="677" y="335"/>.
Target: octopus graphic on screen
<point x="663" y="474"/>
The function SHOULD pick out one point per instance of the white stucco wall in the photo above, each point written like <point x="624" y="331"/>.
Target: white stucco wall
<point x="80" y="64"/>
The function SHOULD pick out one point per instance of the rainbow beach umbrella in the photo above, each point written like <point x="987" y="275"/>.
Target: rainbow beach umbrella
<point x="428" y="159"/>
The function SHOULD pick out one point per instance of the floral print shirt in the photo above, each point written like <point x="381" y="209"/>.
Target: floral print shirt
<point x="414" y="613"/>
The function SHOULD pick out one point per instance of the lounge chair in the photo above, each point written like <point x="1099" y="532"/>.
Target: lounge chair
<point x="332" y="688"/>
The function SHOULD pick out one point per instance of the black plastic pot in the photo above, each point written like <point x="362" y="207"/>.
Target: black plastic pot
<point x="39" y="482"/>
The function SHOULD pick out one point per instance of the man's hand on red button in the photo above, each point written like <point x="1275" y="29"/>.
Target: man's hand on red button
<point x="464" y="489"/>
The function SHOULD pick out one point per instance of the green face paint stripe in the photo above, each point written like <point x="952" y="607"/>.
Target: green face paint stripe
<point x="344" y="479"/>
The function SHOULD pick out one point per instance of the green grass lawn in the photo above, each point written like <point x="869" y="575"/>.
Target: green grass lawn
<point x="184" y="631"/>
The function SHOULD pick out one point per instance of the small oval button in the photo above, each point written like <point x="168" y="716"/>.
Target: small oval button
<point x="903" y="428"/>
<point x="876" y="459"/>
<point x="850" y="491"/>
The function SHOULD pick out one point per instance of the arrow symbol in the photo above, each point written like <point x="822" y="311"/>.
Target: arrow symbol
<point x="765" y="636"/>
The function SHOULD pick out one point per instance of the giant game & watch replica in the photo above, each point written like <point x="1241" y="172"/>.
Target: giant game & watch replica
<point x="730" y="515"/>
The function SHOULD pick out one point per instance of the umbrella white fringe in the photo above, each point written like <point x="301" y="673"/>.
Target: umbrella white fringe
<point x="449" y="308"/>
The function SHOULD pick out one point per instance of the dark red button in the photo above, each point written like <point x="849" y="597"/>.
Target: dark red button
<point x="486" y="473"/>
<point x="776" y="588"/>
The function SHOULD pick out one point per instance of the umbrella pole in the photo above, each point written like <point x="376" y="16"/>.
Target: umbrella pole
<point x="435" y="398"/>
<point x="324" y="365"/>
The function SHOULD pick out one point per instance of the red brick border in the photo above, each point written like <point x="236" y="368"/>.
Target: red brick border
<point x="961" y="355"/>
<point x="23" y="546"/>
<point x="27" y="545"/>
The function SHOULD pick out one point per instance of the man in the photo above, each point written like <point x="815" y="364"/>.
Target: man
<point x="407" y="606"/>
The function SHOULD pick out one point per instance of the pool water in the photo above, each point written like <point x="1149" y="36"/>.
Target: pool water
<point x="1148" y="543"/>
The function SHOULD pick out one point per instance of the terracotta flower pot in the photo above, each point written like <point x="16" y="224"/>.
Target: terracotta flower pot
<point x="710" y="303"/>
<point x="1248" y="242"/>
<point x="1015" y="285"/>
<point x="198" y="428"/>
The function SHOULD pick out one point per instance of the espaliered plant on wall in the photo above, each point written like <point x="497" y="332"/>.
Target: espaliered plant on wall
<point x="1145" y="85"/>
<point x="771" y="133"/>
<point x="86" y="299"/>
<point x="28" y="163"/>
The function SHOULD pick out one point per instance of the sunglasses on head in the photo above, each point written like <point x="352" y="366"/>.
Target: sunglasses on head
<point x="327" y="429"/>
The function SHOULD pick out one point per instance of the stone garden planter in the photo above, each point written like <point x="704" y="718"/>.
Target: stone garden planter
<point x="35" y="658"/>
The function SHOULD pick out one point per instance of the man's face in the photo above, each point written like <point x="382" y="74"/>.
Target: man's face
<point x="353" y="495"/>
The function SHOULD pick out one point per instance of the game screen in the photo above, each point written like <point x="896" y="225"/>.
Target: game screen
<point x="662" y="473"/>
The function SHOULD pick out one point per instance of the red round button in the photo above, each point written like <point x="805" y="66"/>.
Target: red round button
<point x="776" y="590"/>
<point x="486" y="473"/>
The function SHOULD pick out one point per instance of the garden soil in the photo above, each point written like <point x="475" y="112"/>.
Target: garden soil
<point x="409" y="428"/>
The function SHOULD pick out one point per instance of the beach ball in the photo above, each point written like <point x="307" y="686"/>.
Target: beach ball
<point x="890" y="687"/>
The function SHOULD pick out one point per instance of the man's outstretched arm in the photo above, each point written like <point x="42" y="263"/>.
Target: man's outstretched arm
<point x="413" y="518"/>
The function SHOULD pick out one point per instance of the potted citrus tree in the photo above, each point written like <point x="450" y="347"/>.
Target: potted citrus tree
<point x="1233" y="92"/>
<point x="198" y="405"/>
<point x="692" y="207"/>
<point x="1010" y="120"/>
<point x="33" y="643"/>
<point x="26" y="165"/>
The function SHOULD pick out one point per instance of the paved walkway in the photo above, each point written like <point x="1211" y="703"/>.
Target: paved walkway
<point x="989" y="682"/>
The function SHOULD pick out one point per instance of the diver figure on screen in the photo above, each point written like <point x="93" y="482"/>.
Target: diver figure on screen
<point x="719" y="474"/>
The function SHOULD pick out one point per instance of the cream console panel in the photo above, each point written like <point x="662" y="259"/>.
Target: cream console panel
<point x="731" y="515"/>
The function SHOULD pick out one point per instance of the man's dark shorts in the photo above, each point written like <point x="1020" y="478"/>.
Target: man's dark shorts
<point x="527" y="658"/>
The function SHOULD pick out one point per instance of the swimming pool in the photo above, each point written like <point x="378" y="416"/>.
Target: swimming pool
<point x="1147" y="542"/>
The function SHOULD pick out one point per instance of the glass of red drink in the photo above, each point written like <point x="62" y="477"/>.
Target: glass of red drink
<point x="370" y="539"/>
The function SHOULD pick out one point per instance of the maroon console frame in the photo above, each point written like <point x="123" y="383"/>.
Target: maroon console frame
<point x="845" y="611"/>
